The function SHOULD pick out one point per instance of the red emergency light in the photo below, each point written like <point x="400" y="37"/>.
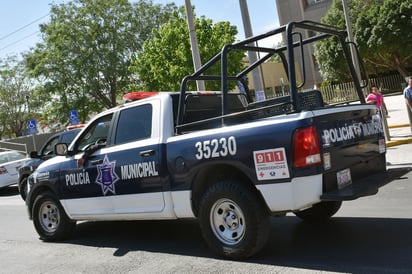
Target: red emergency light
<point x="138" y="95"/>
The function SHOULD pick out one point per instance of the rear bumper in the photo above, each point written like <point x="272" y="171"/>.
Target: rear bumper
<point x="366" y="186"/>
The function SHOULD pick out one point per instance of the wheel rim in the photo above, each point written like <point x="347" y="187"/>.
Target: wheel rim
<point x="49" y="217"/>
<point x="227" y="221"/>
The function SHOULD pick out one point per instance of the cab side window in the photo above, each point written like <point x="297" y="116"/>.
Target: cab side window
<point x="69" y="136"/>
<point x="49" y="148"/>
<point x="97" y="133"/>
<point x="134" y="124"/>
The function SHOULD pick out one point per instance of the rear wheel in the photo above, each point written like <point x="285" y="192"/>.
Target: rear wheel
<point x="320" y="211"/>
<point x="233" y="221"/>
<point x="49" y="218"/>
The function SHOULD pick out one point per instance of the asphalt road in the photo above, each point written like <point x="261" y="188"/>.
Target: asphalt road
<point x="369" y="235"/>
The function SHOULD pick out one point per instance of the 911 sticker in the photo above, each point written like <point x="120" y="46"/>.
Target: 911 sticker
<point x="271" y="164"/>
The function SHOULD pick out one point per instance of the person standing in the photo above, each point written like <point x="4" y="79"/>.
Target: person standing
<point x="376" y="98"/>
<point x="407" y="93"/>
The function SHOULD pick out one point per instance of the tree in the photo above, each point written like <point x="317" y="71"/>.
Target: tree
<point x="381" y="29"/>
<point x="167" y="58"/>
<point x="15" y="87"/>
<point x="86" y="51"/>
<point x="329" y="52"/>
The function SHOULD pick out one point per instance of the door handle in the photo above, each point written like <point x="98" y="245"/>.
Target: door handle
<point x="146" y="153"/>
<point x="96" y="162"/>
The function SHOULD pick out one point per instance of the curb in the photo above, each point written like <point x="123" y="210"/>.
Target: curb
<point x="398" y="126"/>
<point x="399" y="142"/>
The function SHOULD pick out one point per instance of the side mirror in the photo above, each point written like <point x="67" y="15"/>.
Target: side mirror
<point x="60" y="149"/>
<point x="33" y="154"/>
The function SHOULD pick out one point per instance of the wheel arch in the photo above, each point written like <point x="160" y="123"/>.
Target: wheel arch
<point x="22" y="186"/>
<point x="207" y="176"/>
<point x="21" y="178"/>
<point x="33" y="195"/>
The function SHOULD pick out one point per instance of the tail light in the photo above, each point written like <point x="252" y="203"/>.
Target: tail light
<point x="306" y="147"/>
<point x="3" y="170"/>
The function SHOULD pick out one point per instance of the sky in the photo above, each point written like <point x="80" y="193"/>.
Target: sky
<point x="20" y="19"/>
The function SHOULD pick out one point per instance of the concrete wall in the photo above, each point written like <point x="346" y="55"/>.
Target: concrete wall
<point x="25" y="143"/>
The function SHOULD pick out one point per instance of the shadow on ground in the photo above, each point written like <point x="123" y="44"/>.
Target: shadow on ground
<point x="342" y="245"/>
<point x="9" y="191"/>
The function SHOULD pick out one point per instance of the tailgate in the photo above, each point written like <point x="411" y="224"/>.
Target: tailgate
<point x="353" y="152"/>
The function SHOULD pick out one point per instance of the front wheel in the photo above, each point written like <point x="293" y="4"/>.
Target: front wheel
<point x="49" y="218"/>
<point x="233" y="221"/>
<point x="320" y="211"/>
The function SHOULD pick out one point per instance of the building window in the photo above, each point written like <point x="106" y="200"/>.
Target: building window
<point x="313" y="2"/>
<point x="311" y="33"/>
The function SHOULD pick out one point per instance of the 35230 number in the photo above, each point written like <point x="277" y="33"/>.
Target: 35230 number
<point x="215" y="148"/>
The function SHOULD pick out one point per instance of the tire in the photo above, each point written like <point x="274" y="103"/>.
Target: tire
<point x="50" y="219"/>
<point x="233" y="221"/>
<point x="320" y="212"/>
<point x="23" y="188"/>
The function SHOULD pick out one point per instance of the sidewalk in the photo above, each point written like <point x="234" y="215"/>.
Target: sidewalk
<point x="398" y="121"/>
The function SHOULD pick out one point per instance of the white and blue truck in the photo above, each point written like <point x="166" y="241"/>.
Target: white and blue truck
<point x="222" y="157"/>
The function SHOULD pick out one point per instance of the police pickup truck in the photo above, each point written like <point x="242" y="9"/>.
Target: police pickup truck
<point x="225" y="158"/>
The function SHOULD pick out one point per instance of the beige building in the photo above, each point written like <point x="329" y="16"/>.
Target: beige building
<point x="297" y="10"/>
<point x="275" y="79"/>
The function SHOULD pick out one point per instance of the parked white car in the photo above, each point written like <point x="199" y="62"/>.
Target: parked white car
<point x="10" y="162"/>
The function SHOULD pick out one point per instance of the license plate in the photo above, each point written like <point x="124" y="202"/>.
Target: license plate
<point x="344" y="178"/>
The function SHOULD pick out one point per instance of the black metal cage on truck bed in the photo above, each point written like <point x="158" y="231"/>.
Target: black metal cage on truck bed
<point x="294" y="35"/>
